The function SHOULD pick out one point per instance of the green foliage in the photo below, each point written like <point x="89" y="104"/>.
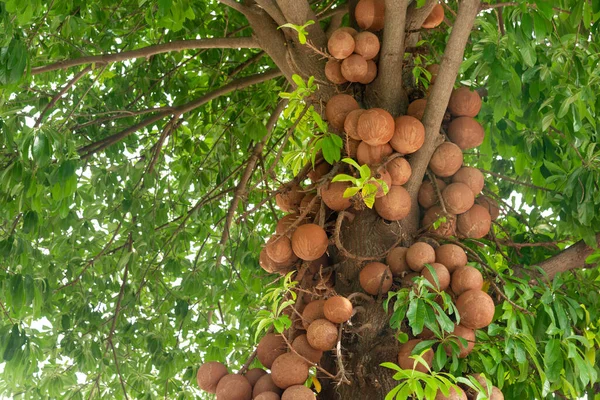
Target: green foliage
<point x="300" y="29"/>
<point x="367" y="185"/>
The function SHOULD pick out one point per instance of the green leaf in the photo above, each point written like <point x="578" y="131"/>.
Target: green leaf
<point x="351" y="192"/>
<point x="416" y="316"/>
<point x="41" y="149"/>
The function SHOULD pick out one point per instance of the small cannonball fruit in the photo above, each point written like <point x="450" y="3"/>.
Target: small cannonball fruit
<point x="279" y="249"/>
<point x="305" y="203"/>
<point x="284" y="224"/>
<point x="442" y="274"/>
<point x="446" y="160"/>
<point x="269" y="348"/>
<point x="455" y="393"/>
<point x="416" y="109"/>
<point x="371" y="73"/>
<point x="298" y="392"/>
<point x="209" y="374"/>
<point x="333" y="196"/>
<point x="395" y="205"/>
<point x="267" y="396"/>
<point x="375" y="126"/>
<point x="490" y="205"/>
<point x="418" y="255"/>
<point x="351" y="123"/>
<point x="381" y="174"/>
<point x="446" y="228"/>
<point x="464" y="333"/>
<point x="404" y="360"/>
<point x="313" y="311"/>
<point x="466" y="278"/>
<point x="341" y="44"/>
<point x="289" y="370"/>
<point x="372" y="155"/>
<point x="466" y="132"/>
<point x="458" y="198"/>
<point x="375" y="276"/>
<point x="399" y="170"/>
<point x="475" y="223"/>
<point x="337" y="109"/>
<point x="435" y="17"/>
<point x="254" y="374"/>
<point x="408" y="136"/>
<point x="271" y="266"/>
<point x="464" y="102"/>
<point x="472" y="177"/>
<point x="351" y="147"/>
<point x="309" y="242"/>
<point x="367" y="45"/>
<point x="452" y="256"/>
<point x="370" y="14"/>
<point x="433" y="69"/>
<point x="396" y="259"/>
<point x="427" y="195"/>
<point x="333" y="72"/>
<point x="265" y="385"/>
<point x="338" y="309"/>
<point x="347" y="29"/>
<point x="234" y="387"/>
<point x="407" y="280"/>
<point x="320" y="170"/>
<point x="476" y="309"/>
<point x="354" y="68"/>
<point x="288" y="200"/>
<point x="302" y="347"/>
<point x="322" y="335"/>
<point x="316" y="265"/>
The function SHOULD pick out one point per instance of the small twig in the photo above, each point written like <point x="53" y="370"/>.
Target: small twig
<point x="507" y="178"/>
<point x="323" y="370"/>
<point x="438" y="193"/>
<point x="6" y="313"/>
<point x="118" y="369"/>
<point x="341" y="375"/>
<point x="360" y="295"/>
<point x="248" y="362"/>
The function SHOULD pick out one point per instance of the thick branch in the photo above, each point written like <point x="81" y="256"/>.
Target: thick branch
<point x="571" y="258"/>
<point x="180" y="45"/>
<point x="416" y="16"/>
<point x="298" y="12"/>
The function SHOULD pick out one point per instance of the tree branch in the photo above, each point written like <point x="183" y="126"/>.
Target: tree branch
<point x="570" y="258"/>
<point x="179" y="45"/>
<point x="298" y="12"/>
<point x="509" y="179"/>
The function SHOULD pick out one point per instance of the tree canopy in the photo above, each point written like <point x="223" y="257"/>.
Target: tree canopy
<point x="143" y="144"/>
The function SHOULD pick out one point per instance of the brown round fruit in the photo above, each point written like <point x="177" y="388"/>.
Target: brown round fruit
<point x="320" y="170"/>
<point x="305" y="203"/>
<point x="354" y="68"/>
<point x="302" y="347"/>
<point x="404" y="360"/>
<point x="371" y="73"/>
<point x="416" y="109"/>
<point x="271" y="266"/>
<point x="333" y="72"/>
<point x="476" y="309"/>
<point x="312" y="312"/>
<point x="234" y="387"/>
<point x="254" y="374"/>
<point x="285" y="223"/>
<point x="455" y="393"/>
<point x="427" y="195"/>
<point x="418" y="255"/>
<point x="446" y="160"/>
<point x="463" y="333"/>
<point x="337" y="109"/>
<point x="279" y="249"/>
<point x="464" y="103"/>
<point x="267" y="396"/>
<point x="341" y="44"/>
<point x="309" y="242"/>
<point x="395" y="205"/>
<point x="298" y="392"/>
<point x="338" y="309"/>
<point x="396" y="259"/>
<point x="351" y="123"/>
<point x="466" y="278"/>
<point x="466" y="132"/>
<point x="446" y="228"/>
<point x="316" y="265"/>
<point x="399" y="170"/>
<point x="475" y="223"/>
<point x="333" y="196"/>
<point x="490" y="205"/>
<point x="458" y="198"/>
<point x="322" y="335"/>
<point x="472" y="177"/>
<point x="375" y="277"/>
<point x="496" y="394"/>
<point x="452" y="256"/>
<point x="372" y="155"/>
<point x="288" y="200"/>
<point x="367" y="45"/>
<point x="209" y="374"/>
<point x="408" y="136"/>
<point x="375" y="126"/>
<point x="269" y="348"/>
<point x="265" y="385"/>
<point x="433" y="69"/>
<point x="370" y="14"/>
<point x="435" y="17"/>
<point x="442" y="274"/>
<point x="289" y="370"/>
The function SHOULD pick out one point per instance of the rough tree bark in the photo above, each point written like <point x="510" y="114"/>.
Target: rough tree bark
<point x="569" y="259"/>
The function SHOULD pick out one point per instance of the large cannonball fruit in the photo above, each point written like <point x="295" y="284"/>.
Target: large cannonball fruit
<point x="446" y="160"/>
<point x="462" y="332"/>
<point x="269" y="348"/>
<point x="375" y="277"/>
<point x="265" y="384"/>
<point x="338" y="309"/>
<point x="302" y="347"/>
<point x="435" y="17"/>
<point x="476" y="309"/>
<point x="351" y="123"/>
<point x="490" y="205"/>
<point x="442" y="273"/>
<point x="404" y="360"/>
<point x="309" y="242"/>
<point x="458" y="198"/>
<point x="333" y="196"/>
<point x="371" y="73"/>
<point x="289" y="199"/>
<point x="333" y="72"/>
<point x="279" y="249"/>
<point x="466" y="133"/>
<point x="416" y="109"/>
<point x="370" y="14"/>
<point x="234" y="387"/>
<point x="399" y="170"/>
<point x="372" y="155"/>
<point x="466" y="278"/>
<point x="337" y="108"/>
<point x="408" y="136"/>
<point x="354" y="68"/>
<point x="446" y="228"/>
<point x="395" y="205"/>
<point x="267" y="396"/>
<point x="452" y="256"/>
<point x="289" y="370"/>
<point x="341" y="44"/>
<point x="254" y="374"/>
<point x="396" y="259"/>
<point x="418" y="255"/>
<point x="307" y="208"/>
<point x="427" y="195"/>
<point x="472" y="177"/>
<point x="475" y="223"/>
<point x="209" y="374"/>
<point x="322" y="334"/>
<point x="464" y="102"/>
<point x="375" y="126"/>
<point x="455" y="393"/>
<point x="298" y="392"/>
<point x="367" y="45"/>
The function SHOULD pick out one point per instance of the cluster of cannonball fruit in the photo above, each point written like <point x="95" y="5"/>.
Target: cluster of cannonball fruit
<point x="370" y="15"/>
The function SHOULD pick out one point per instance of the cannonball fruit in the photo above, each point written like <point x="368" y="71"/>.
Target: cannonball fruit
<point x="333" y="72"/>
<point x="234" y="387"/>
<point x="371" y="73"/>
<point x="396" y="259"/>
<point x="399" y="170"/>
<point x="354" y="68"/>
<point x="490" y="205"/>
<point x="464" y="333"/>
<point x="313" y="311"/>
<point x="269" y="348"/>
<point x="302" y="347"/>
<point x="375" y="277"/>
<point x="315" y="266"/>
<point x="395" y="205"/>
<point x="466" y="278"/>
<point x="367" y="45"/>
<point x="309" y="242"/>
<point x="338" y="309"/>
<point x="442" y="273"/>
<point x="321" y="169"/>
<point x="370" y="14"/>
<point x="475" y="223"/>
<point x="322" y="335"/>
<point x="298" y="392"/>
<point x="333" y="196"/>
<point x="458" y="198"/>
<point x="418" y="255"/>
<point x="254" y="374"/>
<point x="351" y="123"/>
<point x="466" y="132"/>
<point x="446" y="227"/>
<point x="285" y="223"/>
<point x="271" y="266"/>
<point x="494" y="393"/>
<point x="408" y="136"/>
<point x="279" y="249"/>
<point x="289" y="370"/>
<point x="404" y="360"/>
<point x="446" y="160"/>
<point x="337" y="109"/>
<point x="416" y="109"/>
<point x="267" y="396"/>
<point x="435" y="17"/>
<point x="209" y="374"/>
<point x="472" y="177"/>
<point x="341" y="44"/>
<point x="464" y="102"/>
<point x="427" y="195"/>
<point x="476" y="309"/>
<point x="452" y="256"/>
<point x="347" y="29"/>
<point x="375" y="126"/>
<point x="372" y="155"/>
<point x="265" y="384"/>
<point x="455" y="393"/>
<point x="288" y="200"/>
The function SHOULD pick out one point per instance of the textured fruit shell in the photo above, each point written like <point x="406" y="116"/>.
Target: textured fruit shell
<point x="313" y="311"/>
<point x="446" y="160"/>
<point x="490" y="205"/>
<point x="451" y="255"/>
<point x="375" y="127"/>
<point x="298" y="392"/>
<point x="337" y="109"/>
<point x="466" y="132"/>
<point x="371" y="73"/>
<point x="427" y="196"/>
<point x="447" y="228"/>
<point x="435" y="17"/>
<point x="209" y="374"/>
<point x="289" y="370"/>
<point x="464" y="102"/>
<point x="264" y="385"/>
<point x="475" y="223"/>
<point x="367" y="45"/>
<point x="370" y="278"/>
<point x="472" y="177"/>
<point x="338" y="309"/>
<point x="399" y="170"/>
<point x="322" y="334"/>
<point x="351" y="123"/>
<point x="354" y="68"/>
<point x="234" y="386"/>
<point x="466" y="278"/>
<point x="442" y="273"/>
<point x="458" y="198"/>
<point x="372" y="155"/>
<point x="269" y="348"/>
<point x="333" y="72"/>
<point x="408" y="136"/>
<point x="418" y="255"/>
<point x="416" y="109"/>
<point x="404" y="360"/>
<point x="370" y="14"/>
<point x="341" y="44"/>
<point x="476" y="309"/>
<point x="385" y="176"/>
<point x="396" y="260"/>
<point x="333" y="196"/>
<point x="395" y="205"/>
<point x="302" y="347"/>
